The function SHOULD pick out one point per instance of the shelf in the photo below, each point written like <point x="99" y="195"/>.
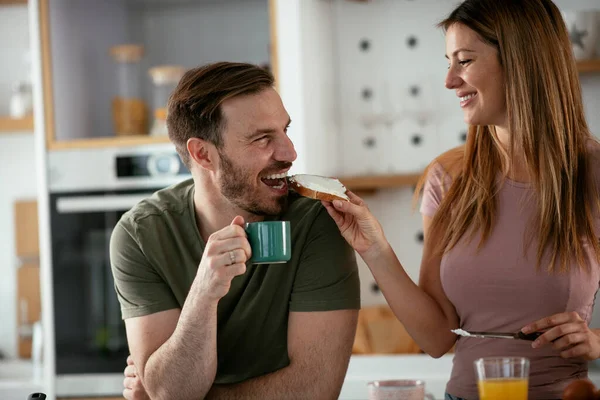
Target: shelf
<point x="93" y="143"/>
<point x="12" y="2"/>
<point x="8" y="124"/>
<point x="373" y="183"/>
<point x="589" y="65"/>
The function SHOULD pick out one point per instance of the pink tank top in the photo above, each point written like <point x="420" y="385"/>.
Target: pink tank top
<point x="499" y="289"/>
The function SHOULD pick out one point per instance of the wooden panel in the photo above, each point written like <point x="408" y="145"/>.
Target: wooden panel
<point x="8" y="124"/>
<point x="273" y="45"/>
<point x="375" y="182"/>
<point x="589" y="66"/>
<point x="380" y="332"/>
<point x="28" y="305"/>
<point x="26" y="229"/>
<point x="47" y="71"/>
<point x="106" y="142"/>
<point x="12" y="2"/>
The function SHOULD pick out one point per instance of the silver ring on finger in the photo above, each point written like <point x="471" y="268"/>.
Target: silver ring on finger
<point x="232" y="257"/>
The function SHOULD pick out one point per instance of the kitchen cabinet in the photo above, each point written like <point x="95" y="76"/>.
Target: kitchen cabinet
<point x="26" y="229"/>
<point x="28" y="306"/>
<point x="299" y="40"/>
<point x="80" y="77"/>
<point x="28" y="300"/>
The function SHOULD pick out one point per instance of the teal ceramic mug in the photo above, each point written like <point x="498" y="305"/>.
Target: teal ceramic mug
<point x="270" y="242"/>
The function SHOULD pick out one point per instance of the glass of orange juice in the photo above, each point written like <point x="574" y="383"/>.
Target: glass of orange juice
<point x="502" y="378"/>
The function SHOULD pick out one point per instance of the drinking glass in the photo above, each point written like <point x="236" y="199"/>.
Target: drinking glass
<point x="502" y="378"/>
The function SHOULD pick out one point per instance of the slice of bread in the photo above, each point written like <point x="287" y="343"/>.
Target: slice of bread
<point x="318" y="187"/>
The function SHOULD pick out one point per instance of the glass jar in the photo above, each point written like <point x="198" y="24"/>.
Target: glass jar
<point x="129" y="110"/>
<point x="159" y="126"/>
<point x="164" y="80"/>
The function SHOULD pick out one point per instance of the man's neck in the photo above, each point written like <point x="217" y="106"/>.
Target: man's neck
<point x="213" y="212"/>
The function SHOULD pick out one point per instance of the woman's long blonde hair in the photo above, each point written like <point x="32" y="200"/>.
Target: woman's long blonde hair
<point x="546" y="123"/>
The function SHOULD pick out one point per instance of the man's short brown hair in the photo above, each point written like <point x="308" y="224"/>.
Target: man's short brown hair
<point x="194" y="106"/>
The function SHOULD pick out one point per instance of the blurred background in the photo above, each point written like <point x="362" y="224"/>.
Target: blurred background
<point x="83" y="90"/>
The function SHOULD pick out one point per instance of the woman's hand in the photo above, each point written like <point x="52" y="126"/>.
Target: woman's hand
<point x="356" y="223"/>
<point x="568" y="333"/>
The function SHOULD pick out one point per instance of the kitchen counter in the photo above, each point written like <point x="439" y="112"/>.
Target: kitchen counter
<point x="362" y="369"/>
<point x="435" y="373"/>
<point x="16" y="381"/>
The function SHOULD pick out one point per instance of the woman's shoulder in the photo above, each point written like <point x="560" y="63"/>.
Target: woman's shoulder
<point x="593" y="152"/>
<point x="449" y="164"/>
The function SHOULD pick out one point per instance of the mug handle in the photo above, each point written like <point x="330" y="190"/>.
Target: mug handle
<point x="429" y="396"/>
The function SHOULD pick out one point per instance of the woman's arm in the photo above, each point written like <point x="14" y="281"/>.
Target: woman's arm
<point x="423" y="309"/>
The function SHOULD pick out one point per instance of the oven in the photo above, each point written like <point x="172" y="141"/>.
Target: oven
<point x="89" y="192"/>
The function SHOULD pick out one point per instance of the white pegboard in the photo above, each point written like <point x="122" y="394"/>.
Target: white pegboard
<point x="393" y="51"/>
<point x="403" y="228"/>
<point x="391" y="92"/>
<point x="394" y="93"/>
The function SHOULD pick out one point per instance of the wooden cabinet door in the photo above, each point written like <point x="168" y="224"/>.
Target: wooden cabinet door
<point x="26" y="229"/>
<point x="28" y="305"/>
<point x="28" y="302"/>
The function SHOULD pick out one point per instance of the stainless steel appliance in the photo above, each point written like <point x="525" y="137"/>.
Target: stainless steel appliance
<point x="89" y="191"/>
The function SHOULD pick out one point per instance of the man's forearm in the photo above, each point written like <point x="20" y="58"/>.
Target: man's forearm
<point x="287" y="383"/>
<point x="184" y="367"/>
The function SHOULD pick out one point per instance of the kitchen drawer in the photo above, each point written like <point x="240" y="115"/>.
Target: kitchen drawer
<point x="26" y="229"/>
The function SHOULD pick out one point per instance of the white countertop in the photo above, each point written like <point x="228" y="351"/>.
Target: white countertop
<point x="362" y="369"/>
<point x="16" y="382"/>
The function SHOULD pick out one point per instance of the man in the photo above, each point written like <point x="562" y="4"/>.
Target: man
<point x="201" y="321"/>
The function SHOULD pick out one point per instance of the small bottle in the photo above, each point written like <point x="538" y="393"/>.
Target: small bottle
<point x="159" y="126"/>
<point x="164" y="80"/>
<point x="129" y="110"/>
<point x="21" y="102"/>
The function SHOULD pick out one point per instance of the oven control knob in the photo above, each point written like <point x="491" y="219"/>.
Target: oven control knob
<point x="163" y="164"/>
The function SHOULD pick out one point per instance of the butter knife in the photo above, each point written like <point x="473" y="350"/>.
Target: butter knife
<point x="499" y="335"/>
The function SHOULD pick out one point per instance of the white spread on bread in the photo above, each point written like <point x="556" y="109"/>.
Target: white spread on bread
<point x="321" y="184"/>
<point x="461" y="332"/>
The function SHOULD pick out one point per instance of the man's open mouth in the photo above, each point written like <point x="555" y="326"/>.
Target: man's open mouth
<point x="276" y="181"/>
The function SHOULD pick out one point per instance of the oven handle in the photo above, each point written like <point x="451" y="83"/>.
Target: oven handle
<point x="80" y="204"/>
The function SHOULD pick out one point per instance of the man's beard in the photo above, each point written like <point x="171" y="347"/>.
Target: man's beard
<point x="236" y="187"/>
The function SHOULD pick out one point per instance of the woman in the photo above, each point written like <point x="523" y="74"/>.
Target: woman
<point x="511" y="218"/>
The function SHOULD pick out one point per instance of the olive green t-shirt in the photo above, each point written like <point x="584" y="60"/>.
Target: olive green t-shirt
<point x="155" y="251"/>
